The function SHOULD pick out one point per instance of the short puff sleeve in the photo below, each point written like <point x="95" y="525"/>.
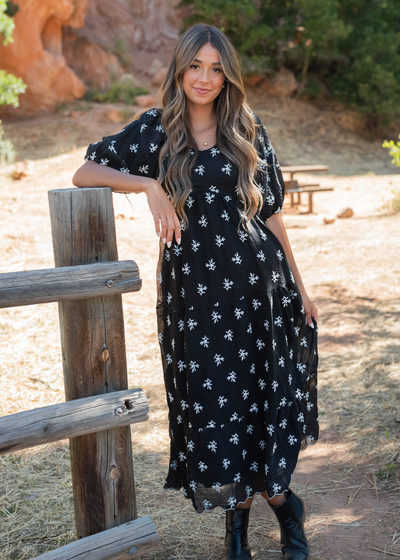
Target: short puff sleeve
<point x="135" y="149"/>
<point x="269" y="178"/>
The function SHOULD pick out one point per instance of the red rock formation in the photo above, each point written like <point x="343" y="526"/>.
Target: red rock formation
<point x="94" y="66"/>
<point x="134" y="22"/>
<point x="158" y="19"/>
<point x="122" y="27"/>
<point x="282" y="84"/>
<point x="36" y="53"/>
<point x="60" y="45"/>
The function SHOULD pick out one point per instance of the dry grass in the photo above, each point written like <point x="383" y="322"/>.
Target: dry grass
<point x="352" y="272"/>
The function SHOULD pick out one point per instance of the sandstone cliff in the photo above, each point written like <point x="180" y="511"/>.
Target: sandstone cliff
<point x="61" y="46"/>
<point x="36" y="53"/>
<point x="136" y="22"/>
<point x="127" y="26"/>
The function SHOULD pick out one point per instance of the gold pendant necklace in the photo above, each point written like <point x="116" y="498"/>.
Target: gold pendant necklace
<point x="206" y="142"/>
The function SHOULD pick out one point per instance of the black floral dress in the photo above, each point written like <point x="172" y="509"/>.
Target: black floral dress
<point x="239" y="359"/>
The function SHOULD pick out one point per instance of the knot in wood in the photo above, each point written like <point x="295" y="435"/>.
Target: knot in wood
<point x="133" y="550"/>
<point x="114" y="472"/>
<point x="105" y="355"/>
<point x="110" y="283"/>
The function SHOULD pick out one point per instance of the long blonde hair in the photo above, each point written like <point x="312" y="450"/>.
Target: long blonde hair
<point x="236" y="128"/>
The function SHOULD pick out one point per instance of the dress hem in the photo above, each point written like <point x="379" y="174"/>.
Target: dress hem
<point x="222" y="507"/>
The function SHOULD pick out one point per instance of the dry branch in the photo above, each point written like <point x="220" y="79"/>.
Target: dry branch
<point x="384" y="551"/>
<point x="351" y="498"/>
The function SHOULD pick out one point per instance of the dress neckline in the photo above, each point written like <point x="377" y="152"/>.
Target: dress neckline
<point x="208" y="149"/>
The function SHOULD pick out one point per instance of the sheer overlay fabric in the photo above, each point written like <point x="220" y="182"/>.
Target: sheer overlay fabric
<point x="239" y="360"/>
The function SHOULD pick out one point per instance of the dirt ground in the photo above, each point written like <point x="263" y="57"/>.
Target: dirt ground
<point x="351" y="268"/>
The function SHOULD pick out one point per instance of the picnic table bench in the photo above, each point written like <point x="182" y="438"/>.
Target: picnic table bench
<point x="294" y="187"/>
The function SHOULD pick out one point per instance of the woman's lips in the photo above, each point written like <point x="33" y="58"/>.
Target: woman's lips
<point x="201" y="91"/>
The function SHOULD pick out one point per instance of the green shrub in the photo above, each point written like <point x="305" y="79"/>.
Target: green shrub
<point x="394" y="150"/>
<point x="255" y="65"/>
<point x="10" y="89"/>
<point x="12" y="9"/>
<point x="6" y="24"/>
<point x="10" y="86"/>
<point x="312" y="88"/>
<point x="121" y="52"/>
<point x="386" y="471"/>
<point x="119" y="92"/>
<point x="7" y="152"/>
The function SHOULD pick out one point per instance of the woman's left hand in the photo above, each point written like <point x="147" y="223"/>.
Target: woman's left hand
<point x="310" y="310"/>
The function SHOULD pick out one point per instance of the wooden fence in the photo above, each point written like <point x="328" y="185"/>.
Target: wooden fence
<point x="99" y="408"/>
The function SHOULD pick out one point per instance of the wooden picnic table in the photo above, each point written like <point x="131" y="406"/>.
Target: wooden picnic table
<point x="292" y="169"/>
<point x="294" y="187"/>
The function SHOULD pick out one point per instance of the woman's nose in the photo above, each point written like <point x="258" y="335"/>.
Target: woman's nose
<point x="203" y="76"/>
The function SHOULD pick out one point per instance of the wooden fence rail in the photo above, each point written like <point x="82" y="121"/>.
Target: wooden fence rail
<point x="88" y="282"/>
<point x="70" y="282"/>
<point x="72" y="419"/>
<point x="130" y="540"/>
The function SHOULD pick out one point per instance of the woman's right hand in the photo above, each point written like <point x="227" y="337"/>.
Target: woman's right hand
<point x="165" y="219"/>
<point x="92" y="174"/>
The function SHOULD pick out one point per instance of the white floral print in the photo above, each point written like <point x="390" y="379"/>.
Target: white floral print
<point x="236" y="350"/>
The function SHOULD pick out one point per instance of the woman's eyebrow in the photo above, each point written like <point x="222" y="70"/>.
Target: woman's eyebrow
<point x="197" y="60"/>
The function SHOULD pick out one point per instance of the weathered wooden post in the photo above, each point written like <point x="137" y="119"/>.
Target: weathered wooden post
<point x="94" y="361"/>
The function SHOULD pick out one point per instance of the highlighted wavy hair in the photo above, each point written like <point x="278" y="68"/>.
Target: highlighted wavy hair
<point x="236" y="128"/>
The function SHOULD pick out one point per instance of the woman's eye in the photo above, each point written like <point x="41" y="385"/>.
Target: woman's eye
<point x="215" y="70"/>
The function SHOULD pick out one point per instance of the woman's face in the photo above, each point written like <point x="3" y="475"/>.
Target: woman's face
<point x="204" y="78"/>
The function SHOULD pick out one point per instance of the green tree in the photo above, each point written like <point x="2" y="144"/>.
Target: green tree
<point x="369" y="77"/>
<point x="352" y="45"/>
<point x="322" y="30"/>
<point x="10" y="86"/>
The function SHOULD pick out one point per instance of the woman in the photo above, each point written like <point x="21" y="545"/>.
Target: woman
<point x="236" y="327"/>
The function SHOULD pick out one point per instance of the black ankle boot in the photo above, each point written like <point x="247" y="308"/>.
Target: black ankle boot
<point x="291" y="515"/>
<point x="236" y="545"/>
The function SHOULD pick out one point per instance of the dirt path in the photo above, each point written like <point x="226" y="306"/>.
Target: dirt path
<point x="300" y="132"/>
<point x="352" y="271"/>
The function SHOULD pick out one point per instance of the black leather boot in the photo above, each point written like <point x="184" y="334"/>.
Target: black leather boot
<point x="291" y="515"/>
<point x="236" y="545"/>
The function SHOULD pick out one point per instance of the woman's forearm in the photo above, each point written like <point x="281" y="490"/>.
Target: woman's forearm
<point x="92" y="174"/>
<point x="276" y="225"/>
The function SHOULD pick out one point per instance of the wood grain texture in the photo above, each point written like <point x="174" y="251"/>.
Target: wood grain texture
<point x="83" y="232"/>
<point x="71" y="282"/>
<point x="72" y="419"/>
<point x="113" y="544"/>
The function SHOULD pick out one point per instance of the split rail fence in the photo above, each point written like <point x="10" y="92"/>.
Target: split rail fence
<point x="87" y="282"/>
